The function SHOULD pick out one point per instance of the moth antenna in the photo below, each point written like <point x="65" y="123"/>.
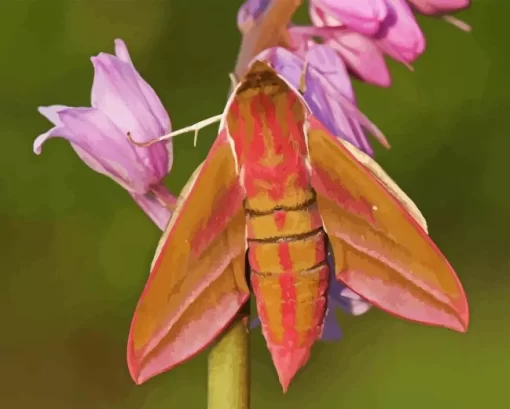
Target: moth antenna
<point x="454" y="21"/>
<point x="402" y="61"/>
<point x="408" y="66"/>
<point x="302" y="78"/>
<point x="233" y="80"/>
<point x="141" y="144"/>
<point x="195" y="128"/>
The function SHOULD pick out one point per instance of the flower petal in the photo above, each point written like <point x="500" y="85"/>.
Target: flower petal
<point x="99" y="140"/>
<point x="327" y="90"/>
<point x="249" y="11"/>
<point x="363" y="16"/>
<point x="116" y="91"/>
<point x="400" y="36"/>
<point x="58" y="130"/>
<point x="359" y="53"/>
<point x="331" y="330"/>
<point x="150" y="204"/>
<point x="346" y="299"/>
<point x="439" y="6"/>
<point x="51" y="113"/>
<point x="255" y="322"/>
<point x="363" y="57"/>
<point x="150" y="95"/>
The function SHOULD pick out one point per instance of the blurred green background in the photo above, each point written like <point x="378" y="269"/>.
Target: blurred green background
<point x="76" y="249"/>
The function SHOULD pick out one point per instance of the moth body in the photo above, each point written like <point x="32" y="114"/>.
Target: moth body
<point x="286" y="240"/>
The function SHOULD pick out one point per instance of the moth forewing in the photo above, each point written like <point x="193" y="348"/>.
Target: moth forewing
<point x="178" y="207"/>
<point x="389" y="183"/>
<point x="381" y="250"/>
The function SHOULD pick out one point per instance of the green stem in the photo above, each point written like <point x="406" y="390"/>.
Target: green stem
<point x="229" y="367"/>
<point x="229" y="359"/>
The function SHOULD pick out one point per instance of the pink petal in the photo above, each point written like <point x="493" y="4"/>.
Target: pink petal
<point x="439" y="6"/>
<point x="358" y="305"/>
<point x="344" y="298"/>
<point x="59" y="130"/>
<point x="334" y="82"/>
<point x="150" y="204"/>
<point x="103" y="147"/>
<point x="97" y="142"/>
<point x="51" y="113"/>
<point x="400" y="36"/>
<point x="363" y="16"/>
<point x="301" y="42"/>
<point x="328" y="91"/>
<point x="116" y="91"/>
<point x="359" y="52"/>
<point x="331" y="67"/>
<point x="331" y="330"/>
<point x="150" y="95"/>
<point x="363" y="57"/>
<point x="250" y="11"/>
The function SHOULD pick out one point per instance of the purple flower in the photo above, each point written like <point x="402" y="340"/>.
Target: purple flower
<point x="328" y="91"/>
<point x="388" y="25"/>
<point x="362" y="31"/>
<point x="364" y="16"/>
<point x="395" y="33"/>
<point x="249" y="12"/>
<point x="122" y="102"/>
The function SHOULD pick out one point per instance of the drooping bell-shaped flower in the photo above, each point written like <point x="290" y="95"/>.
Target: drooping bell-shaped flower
<point x="328" y="91"/>
<point x="362" y="16"/>
<point x="388" y="26"/>
<point x="122" y="102"/>
<point x="362" y="31"/>
<point x="396" y="33"/>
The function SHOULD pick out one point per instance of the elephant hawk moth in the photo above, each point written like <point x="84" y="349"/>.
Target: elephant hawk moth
<point x="276" y="191"/>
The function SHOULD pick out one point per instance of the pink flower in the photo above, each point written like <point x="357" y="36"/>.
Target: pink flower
<point x="395" y="33"/>
<point x="363" y="31"/>
<point x="361" y="54"/>
<point x="363" y="16"/>
<point x="122" y="102"/>
<point x="250" y="11"/>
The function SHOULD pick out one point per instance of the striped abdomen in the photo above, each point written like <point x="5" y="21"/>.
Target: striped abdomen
<point x="289" y="275"/>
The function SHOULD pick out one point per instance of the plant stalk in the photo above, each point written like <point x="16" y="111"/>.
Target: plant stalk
<point x="228" y="381"/>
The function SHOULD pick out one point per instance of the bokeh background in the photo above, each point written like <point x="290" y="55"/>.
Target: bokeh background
<point x="75" y="248"/>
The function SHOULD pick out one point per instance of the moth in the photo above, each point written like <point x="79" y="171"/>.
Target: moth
<point x="275" y="192"/>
